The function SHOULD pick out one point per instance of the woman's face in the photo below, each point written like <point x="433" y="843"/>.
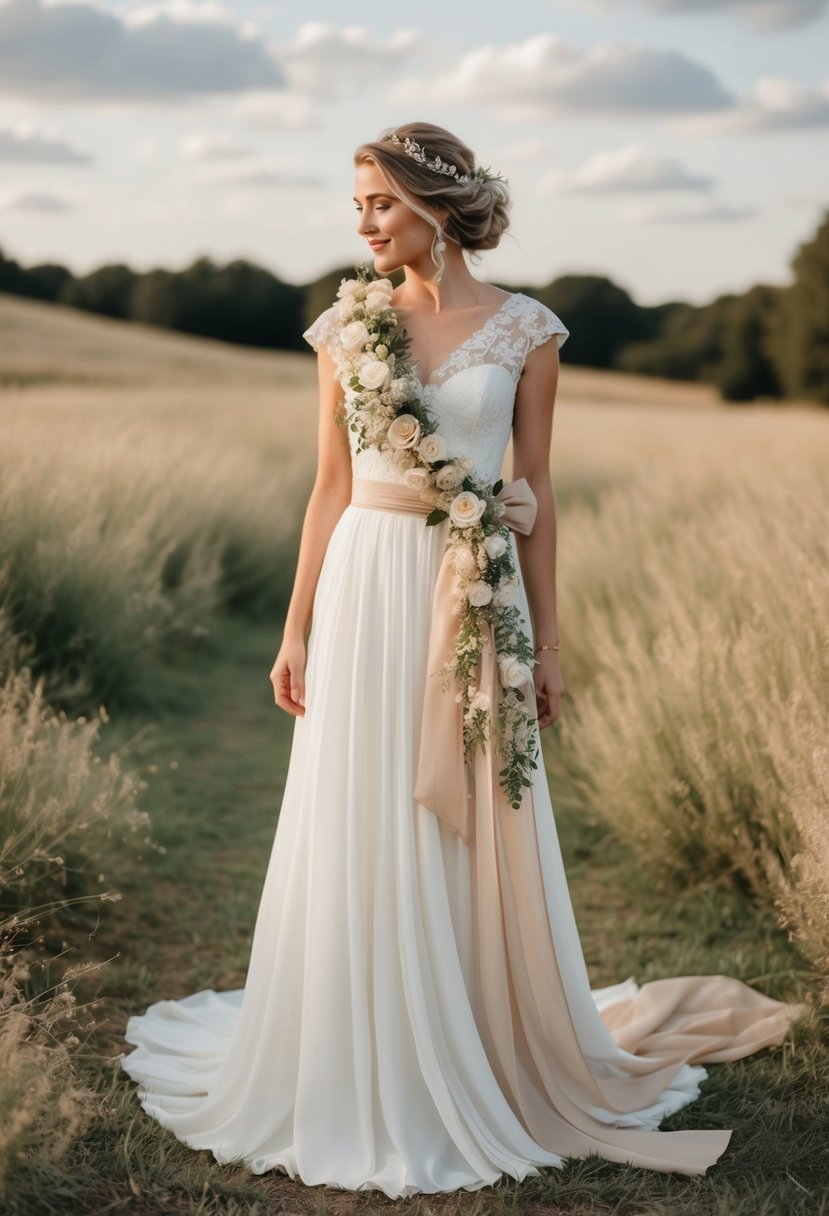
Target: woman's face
<point x="396" y="235"/>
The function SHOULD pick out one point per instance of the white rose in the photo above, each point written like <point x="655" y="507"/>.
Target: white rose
<point x="495" y="545"/>
<point x="381" y="351"/>
<point x="347" y="287"/>
<point x="479" y="593"/>
<point x="506" y="593"/>
<point x="514" y="673"/>
<point x="466" y="509"/>
<point x="433" y="447"/>
<point x="404" y="432"/>
<point x="417" y="478"/>
<point x="376" y="301"/>
<point x="353" y="336"/>
<point x="374" y="373"/>
<point x="384" y="285"/>
<point x="397" y="388"/>
<point x="448" y="477"/>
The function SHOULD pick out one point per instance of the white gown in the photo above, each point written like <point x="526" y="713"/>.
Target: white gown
<point x="361" y="1053"/>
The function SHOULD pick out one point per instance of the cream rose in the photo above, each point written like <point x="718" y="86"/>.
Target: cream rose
<point x="433" y="447"/>
<point x="514" y="673"/>
<point x="374" y="373"/>
<point x="448" y="477"/>
<point x="506" y="593"/>
<point x="376" y="301"/>
<point x="354" y="335"/>
<point x="466" y="509"/>
<point x="417" y="478"/>
<point x="404" y="432"/>
<point x="479" y="593"/>
<point x="384" y="285"/>
<point x="348" y="287"/>
<point x="495" y="545"/>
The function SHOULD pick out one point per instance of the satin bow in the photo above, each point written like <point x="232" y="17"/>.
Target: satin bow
<point x="442" y="779"/>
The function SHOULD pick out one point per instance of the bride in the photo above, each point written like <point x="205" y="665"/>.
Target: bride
<point x="417" y="1014"/>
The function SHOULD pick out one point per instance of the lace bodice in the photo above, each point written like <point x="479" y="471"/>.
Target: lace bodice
<point x="472" y="393"/>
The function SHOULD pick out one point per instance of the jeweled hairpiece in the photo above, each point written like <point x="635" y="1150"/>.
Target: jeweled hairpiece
<point x="412" y="148"/>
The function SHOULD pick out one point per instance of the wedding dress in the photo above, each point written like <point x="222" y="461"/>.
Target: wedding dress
<point x="417" y="1013"/>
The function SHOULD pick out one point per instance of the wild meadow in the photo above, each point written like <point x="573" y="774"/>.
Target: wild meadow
<point x="152" y="489"/>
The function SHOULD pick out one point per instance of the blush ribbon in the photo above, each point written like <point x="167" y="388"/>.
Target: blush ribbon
<point x="444" y="780"/>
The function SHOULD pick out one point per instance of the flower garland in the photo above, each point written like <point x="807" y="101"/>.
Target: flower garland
<point x="386" y="410"/>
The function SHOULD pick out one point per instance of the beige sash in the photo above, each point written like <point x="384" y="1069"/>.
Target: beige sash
<point x="520" y="985"/>
<point x="443" y="776"/>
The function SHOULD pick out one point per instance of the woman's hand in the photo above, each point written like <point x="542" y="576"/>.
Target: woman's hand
<point x="548" y="687"/>
<point x="288" y="678"/>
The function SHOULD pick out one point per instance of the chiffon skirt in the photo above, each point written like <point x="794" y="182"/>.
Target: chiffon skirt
<point x="417" y="1014"/>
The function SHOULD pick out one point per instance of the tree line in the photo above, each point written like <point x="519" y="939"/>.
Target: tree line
<point x="767" y="343"/>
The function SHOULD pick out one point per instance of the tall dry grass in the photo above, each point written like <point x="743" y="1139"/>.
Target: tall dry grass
<point x="65" y="813"/>
<point x="43" y="1103"/>
<point x="120" y="539"/>
<point x="65" y="816"/>
<point x="693" y="603"/>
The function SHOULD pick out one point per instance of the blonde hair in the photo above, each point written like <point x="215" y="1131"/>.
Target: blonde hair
<point x="478" y="211"/>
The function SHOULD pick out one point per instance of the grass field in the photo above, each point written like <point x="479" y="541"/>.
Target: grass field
<point x="151" y="489"/>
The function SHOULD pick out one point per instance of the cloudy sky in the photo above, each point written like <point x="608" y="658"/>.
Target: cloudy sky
<point x="678" y="146"/>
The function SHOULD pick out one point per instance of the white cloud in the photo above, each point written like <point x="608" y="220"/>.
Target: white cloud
<point x="699" y="213"/>
<point x="36" y="198"/>
<point x="631" y="168"/>
<point x="323" y="60"/>
<point x="766" y="15"/>
<point x="74" y="51"/>
<point x="530" y="151"/>
<point x="257" y="171"/>
<point x="212" y="145"/>
<point x="284" y="111"/>
<point x="23" y="142"/>
<point x="545" y="75"/>
<point x="774" y="104"/>
<point x="146" y="149"/>
<point x="762" y="14"/>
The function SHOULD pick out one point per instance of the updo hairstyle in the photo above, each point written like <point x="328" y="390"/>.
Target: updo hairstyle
<point x="478" y="211"/>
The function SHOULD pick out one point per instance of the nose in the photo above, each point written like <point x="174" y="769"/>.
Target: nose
<point x="366" y="224"/>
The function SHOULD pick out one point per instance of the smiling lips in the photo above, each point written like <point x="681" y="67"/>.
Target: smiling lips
<point x="377" y="244"/>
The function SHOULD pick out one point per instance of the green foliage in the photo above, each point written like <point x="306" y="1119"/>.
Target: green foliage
<point x="747" y="369"/>
<point x="801" y="348"/>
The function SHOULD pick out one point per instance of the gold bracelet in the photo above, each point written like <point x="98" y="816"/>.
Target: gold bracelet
<point x="553" y="647"/>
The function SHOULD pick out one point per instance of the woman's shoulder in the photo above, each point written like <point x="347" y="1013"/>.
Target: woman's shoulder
<point x="323" y="331"/>
<point x="538" y="322"/>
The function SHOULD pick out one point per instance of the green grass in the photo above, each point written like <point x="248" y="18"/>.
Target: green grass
<point x="215" y="770"/>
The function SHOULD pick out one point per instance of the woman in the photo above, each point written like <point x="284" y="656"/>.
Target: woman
<point x="417" y="1014"/>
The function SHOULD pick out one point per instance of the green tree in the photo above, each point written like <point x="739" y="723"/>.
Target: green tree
<point x="801" y="341"/>
<point x="748" y="369"/>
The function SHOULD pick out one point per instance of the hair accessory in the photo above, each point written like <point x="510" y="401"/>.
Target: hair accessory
<point x="412" y="148"/>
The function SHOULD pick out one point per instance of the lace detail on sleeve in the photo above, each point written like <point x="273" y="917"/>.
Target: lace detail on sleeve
<point x="324" y="332"/>
<point x="540" y="323"/>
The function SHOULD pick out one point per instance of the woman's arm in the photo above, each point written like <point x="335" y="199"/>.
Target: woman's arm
<point x="329" y="497"/>
<point x="531" y="442"/>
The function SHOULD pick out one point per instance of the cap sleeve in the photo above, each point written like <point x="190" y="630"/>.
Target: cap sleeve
<point x="541" y="323"/>
<point x="323" y="333"/>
